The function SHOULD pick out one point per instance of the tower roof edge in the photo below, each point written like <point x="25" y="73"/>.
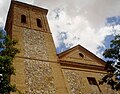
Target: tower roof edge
<point x="30" y="6"/>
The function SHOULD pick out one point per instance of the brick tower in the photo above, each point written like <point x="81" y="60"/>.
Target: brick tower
<point x="36" y="65"/>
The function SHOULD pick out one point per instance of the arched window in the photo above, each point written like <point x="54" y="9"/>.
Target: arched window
<point x="39" y="24"/>
<point x="23" y="19"/>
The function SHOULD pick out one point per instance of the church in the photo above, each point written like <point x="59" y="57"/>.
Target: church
<point x="39" y="69"/>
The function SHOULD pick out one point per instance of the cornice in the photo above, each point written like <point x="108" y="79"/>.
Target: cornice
<point x="81" y="65"/>
<point x="29" y="6"/>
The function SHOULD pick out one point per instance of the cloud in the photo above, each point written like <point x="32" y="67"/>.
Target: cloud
<point x="77" y="30"/>
<point x="4" y="4"/>
<point x="95" y="11"/>
<point x="83" y="22"/>
<point x="75" y="22"/>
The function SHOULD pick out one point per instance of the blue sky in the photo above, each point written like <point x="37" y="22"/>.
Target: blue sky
<point x="72" y="22"/>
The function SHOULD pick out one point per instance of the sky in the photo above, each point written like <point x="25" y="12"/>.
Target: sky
<point x="90" y="23"/>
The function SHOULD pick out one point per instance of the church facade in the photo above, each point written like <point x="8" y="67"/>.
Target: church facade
<point x="39" y="69"/>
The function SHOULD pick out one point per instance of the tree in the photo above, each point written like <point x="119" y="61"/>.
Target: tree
<point x="7" y="54"/>
<point x="112" y="77"/>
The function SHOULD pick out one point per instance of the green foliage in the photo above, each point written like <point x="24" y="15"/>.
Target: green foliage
<point x="114" y="51"/>
<point x="112" y="77"/>
<point x="7" y="55"/>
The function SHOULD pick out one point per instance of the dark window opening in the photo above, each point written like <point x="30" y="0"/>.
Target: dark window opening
<point x="81" y="55"/>
<point x="92" y="81"/>
<point x="39" y="24"/>
<point x="23" y="19"/>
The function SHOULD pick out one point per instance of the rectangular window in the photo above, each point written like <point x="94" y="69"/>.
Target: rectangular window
<point x="92" y="81"/>
<point x="39" y="24"/>
<point x="23" y="19"/>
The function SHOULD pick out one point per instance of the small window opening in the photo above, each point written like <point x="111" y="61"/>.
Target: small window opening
<point x="92" y="81"/>
<point x="23" y="19"/>
<point x="39" y="24"/>
<point x="81" y="55"/>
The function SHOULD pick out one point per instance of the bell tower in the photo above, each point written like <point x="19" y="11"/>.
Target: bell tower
<point x="37" y="68"/>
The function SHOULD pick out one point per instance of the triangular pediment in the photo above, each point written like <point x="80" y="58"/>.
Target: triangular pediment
<point x="79" y="54"/>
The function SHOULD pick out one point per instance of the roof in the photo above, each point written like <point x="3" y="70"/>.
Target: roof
<point x="62" y="54"/>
